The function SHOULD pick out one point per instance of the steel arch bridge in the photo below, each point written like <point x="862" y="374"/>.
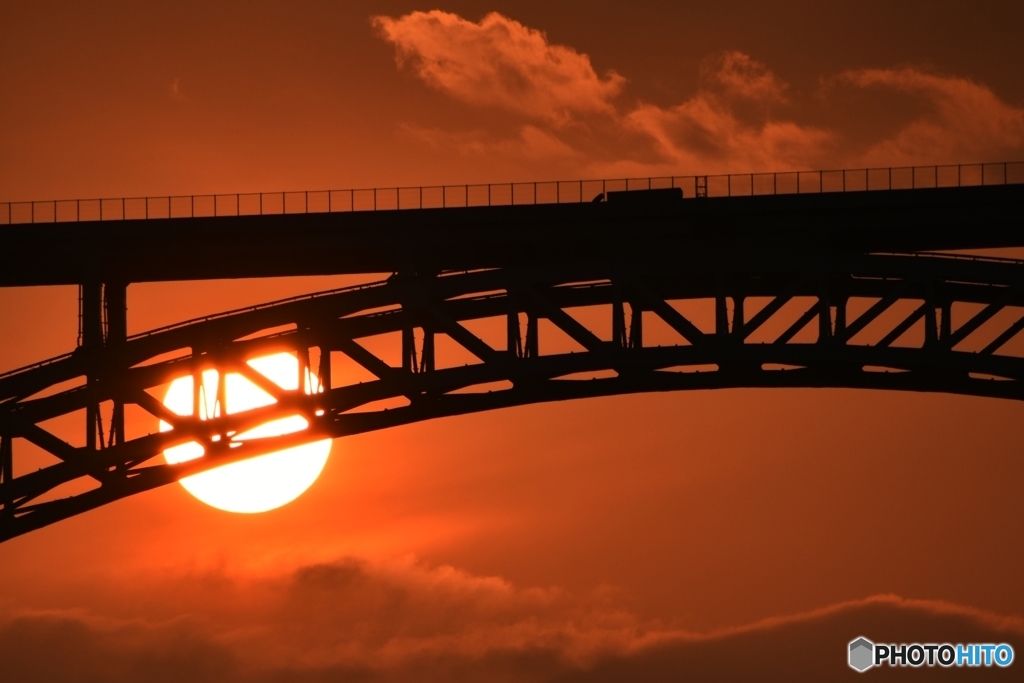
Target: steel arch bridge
<point x="654" y="310"/>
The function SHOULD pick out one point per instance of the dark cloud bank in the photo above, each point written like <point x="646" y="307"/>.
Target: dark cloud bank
<point x="357" y="621"/>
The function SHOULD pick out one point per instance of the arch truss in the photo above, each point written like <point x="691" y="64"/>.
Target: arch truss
<point x="418" y="347"/>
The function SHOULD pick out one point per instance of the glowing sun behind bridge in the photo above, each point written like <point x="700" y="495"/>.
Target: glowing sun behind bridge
<point x="264" y="482"/>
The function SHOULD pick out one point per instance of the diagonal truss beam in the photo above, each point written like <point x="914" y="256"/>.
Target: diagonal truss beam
<point x="337" y="321"/>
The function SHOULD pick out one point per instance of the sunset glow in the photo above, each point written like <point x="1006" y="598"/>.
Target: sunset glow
<point x="262" y="483"/>
<point x="585" y="430"/>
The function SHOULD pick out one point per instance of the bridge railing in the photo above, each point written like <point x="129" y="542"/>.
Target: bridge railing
<point x="506" y="194"/>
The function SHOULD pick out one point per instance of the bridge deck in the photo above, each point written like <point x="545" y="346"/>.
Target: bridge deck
<point x="431" y="240"/>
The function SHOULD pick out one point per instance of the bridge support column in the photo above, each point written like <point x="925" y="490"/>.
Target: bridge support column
<point x="840" y="330"/>
<point x="721" y="309"/>
<point x="198" y="392"/>
<point x="102" y="323"/>
<point x="115" y="305"/>
<point x="409" y="363"/>
<point x="220" y="403"/>
<point x="427" y="356"/>
<point x="305" y="366"/>
<point x="737" y="316"/>
<point x="7" y="472"/>
<point x="513" y="337"/>
<point x="931" y="329"/>
<point x="90" y="338"/>
<point x="324" y="371"/>
<point x="619" y="321"/>
<point x="721" y="316"/>
<point x="824" y="316"/>
<point x="636" y="326"/>
<point x="532" y="349"/>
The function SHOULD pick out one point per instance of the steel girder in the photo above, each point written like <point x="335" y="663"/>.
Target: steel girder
<point x="882" y="321"/>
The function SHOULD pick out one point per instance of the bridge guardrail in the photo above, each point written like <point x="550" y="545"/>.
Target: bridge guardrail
<point x="506" y="194"/>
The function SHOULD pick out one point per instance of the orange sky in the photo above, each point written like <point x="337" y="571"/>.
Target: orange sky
<point x="631" y="537"/>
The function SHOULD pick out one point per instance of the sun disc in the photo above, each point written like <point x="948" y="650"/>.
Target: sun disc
<point x="264" y="482"/>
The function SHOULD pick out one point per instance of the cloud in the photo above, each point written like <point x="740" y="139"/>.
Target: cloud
<point x="963" y="120"/>
<point x="705" y="133"/>
<point x="717" y="131"/>
<point x="498" y="62"/>
<point x="743" y="117"/>
<point x="741" y="76"/>
<point x="501" y="63"/>
<point x="403" y="621"/>
<point x="72" y="647"/>
<point x="806" y="647"/>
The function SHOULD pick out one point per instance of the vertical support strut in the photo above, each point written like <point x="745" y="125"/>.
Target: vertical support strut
<point x="7" y="473"/>
<point x="409" y="363"/>
<point x="737" y="316"/>
<point x="841" y="317"/>
<point x="721" y="308"/>
<point x="302" y="354"/>
<point x="220" y="402"/>
<point x="91" y="334"/>
<point x="427" y="355"/>
<point x="636" y="326"/>
<point x="325" y="367"/>
<point x="618" y="319"/>
<point x="513" y="337"/>
<point x="532" y="336"/>
<point x="721" y="313"/>
<point x="198" y="390"/>
<point x="931" y="330"/>
<point x="824" y="315"/>
<point x="115" y="306"/>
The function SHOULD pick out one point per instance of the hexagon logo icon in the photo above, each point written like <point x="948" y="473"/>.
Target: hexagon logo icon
<point x="862" y="654"/>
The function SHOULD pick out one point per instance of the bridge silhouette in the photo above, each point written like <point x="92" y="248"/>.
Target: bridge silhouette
<point x="660" y="285"/>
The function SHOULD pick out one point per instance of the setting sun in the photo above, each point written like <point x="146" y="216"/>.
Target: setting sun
<point x="262" y="483"/>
